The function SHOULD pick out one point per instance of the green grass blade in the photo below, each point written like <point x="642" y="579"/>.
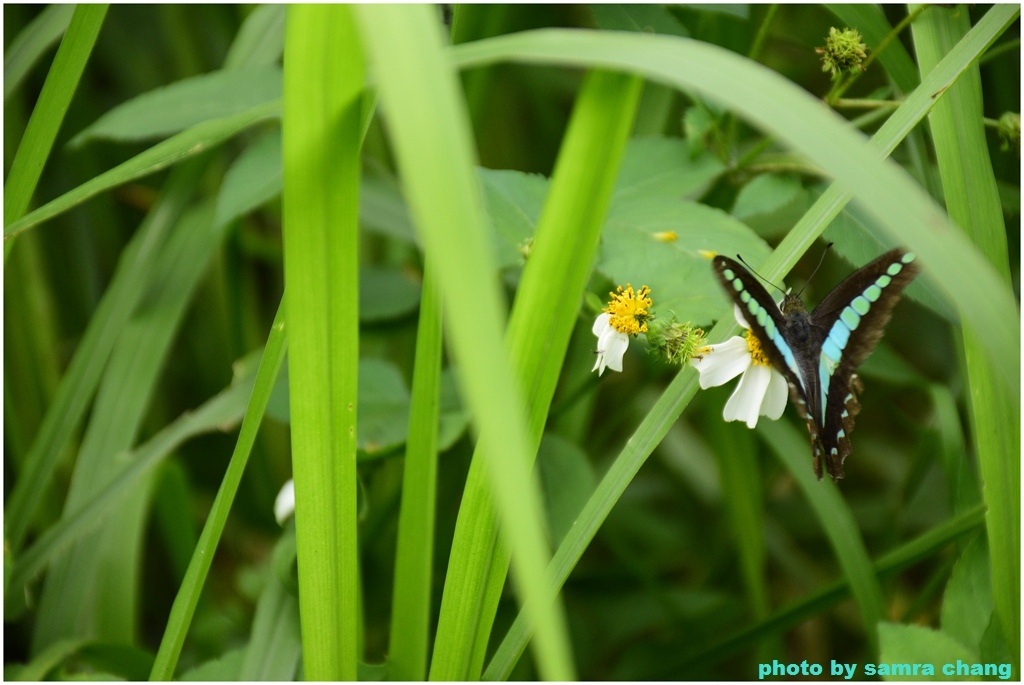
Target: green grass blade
<point x="217" y="414"/>
<point x="414" y="557"/>
<point x="958" y="132"/>
<point x="94" y="590"/>
<point x="191" y="587"/>
<point x="176" y="149"/>
<point x="323" y="86"/>
<point x="430" y="131"/>
<point x="260" y="41"/>
<point x="80" y="381"/>
<point x="32" y="43"/>
<point x="538" y="335"/>
<point x="47" y="115"/>
<point x="837" y="520"/>
<point x="31" y="322"/>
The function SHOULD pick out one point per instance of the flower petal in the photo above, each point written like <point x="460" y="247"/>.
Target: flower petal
<point x="613" y="346"/>
<point x="775" y="397"/>
<point x="284" y="505"/>
<point x="724" y="362"/>
<point x="746" y="399"/>
<point x="740" y="319"/>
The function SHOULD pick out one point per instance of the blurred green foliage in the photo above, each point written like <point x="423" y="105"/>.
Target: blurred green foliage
<point x="672" y="576"/>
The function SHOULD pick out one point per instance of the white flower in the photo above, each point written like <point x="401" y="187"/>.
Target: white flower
<point x="626" y="314"/>
<point x="761" y="391"/>
<point x="611" y="345"/>
<point x="284" y="505"/>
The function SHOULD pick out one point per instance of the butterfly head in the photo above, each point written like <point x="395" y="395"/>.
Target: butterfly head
<point x="792" y="304"/>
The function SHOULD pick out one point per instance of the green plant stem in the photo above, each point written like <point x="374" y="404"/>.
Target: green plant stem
<point x="856" y="103"/>
<point x="199" y="567"/>
<point x="324" y="82"/>
<point x="414" y="556"/>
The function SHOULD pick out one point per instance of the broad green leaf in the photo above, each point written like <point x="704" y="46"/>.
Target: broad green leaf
<point x="967" y="603"/>
<point x="664" y="243"/>
<point x="384" y="408"/>
<point x="382" y="209"/>
<point x="226" y="667"/>
<point x="513" y="201"/>
<point x="568" y="480"/>
<point x="187" y="103"/>
<point x="385" y="294"/>
<point x="641" y="18"/>
<point x="765" y="194"/>
<point x="663" y="167"/>
<point x="253" y="179"/>
<point x="906" y="645"/>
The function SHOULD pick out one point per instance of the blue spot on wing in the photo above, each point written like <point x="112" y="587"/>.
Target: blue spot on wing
<point x="839" y="335"/>
<point x="834" y="351"/>
<point x="787" y="354"/>
<point x="824" y="379"/>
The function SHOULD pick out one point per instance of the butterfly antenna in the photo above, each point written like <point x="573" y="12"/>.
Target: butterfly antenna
<point x="820" y="261"/>
<point x="744" y="263"/>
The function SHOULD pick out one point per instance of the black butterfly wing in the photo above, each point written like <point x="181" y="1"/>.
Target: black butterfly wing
<point x="849" y="322"/>
<point x="768" y="324"/>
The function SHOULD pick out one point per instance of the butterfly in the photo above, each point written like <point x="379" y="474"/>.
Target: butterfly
<point x="819" y="352"/>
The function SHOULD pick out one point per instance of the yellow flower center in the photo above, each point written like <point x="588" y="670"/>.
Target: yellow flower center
<point x="757" y="355"/>
<point x="629" y="310"/>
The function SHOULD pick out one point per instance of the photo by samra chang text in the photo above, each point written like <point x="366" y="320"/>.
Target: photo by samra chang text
<point x="959" y="669"/>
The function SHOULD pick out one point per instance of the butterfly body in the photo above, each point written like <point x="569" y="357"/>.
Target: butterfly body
<point x="818" y="352"/>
